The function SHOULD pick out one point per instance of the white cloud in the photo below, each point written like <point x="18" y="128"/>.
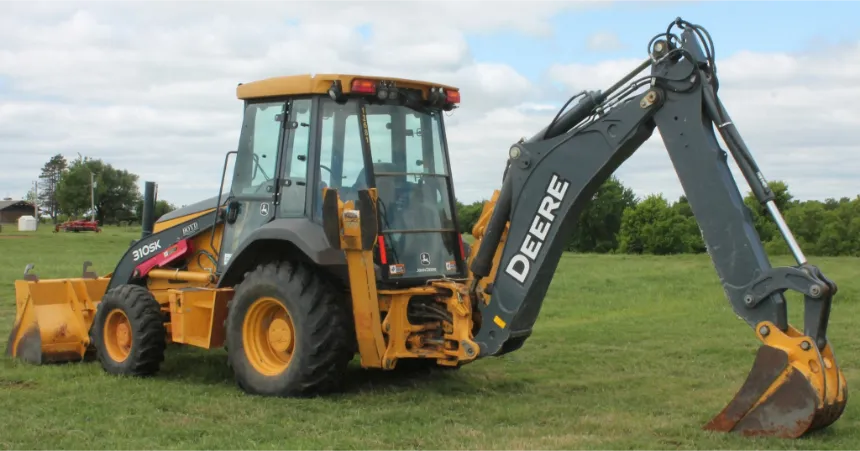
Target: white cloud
<point x="479" y="16"/>
<point x="796" y="112"/>
<point x="604" y="42"/>
<point x="152" y="88"/>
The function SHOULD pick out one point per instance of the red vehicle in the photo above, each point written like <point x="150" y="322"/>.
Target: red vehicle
<point x="78" y="226"/>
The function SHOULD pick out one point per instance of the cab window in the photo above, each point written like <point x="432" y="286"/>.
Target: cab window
<point x="256" y="161"/>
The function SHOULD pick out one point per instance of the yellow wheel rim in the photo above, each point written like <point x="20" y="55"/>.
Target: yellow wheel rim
<point x="268" y="336"/>
<point x="117" y="335"/>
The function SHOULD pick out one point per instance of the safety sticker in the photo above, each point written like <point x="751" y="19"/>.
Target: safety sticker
<point x="397" y="269"/>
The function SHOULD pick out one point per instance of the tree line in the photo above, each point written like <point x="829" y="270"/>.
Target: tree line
<point x="68" y="190"/>
<point x="616" y="221"/>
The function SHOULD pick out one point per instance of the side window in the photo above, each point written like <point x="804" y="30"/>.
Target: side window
<point x="353" y="158"/>
<point x="256" y="161"/>
<point x="293" y="195"/>
<point x="415" y="161"/>
<point x="379" y="126"/>
<point x="341" y="158"/>
<point x="435" y="129"/>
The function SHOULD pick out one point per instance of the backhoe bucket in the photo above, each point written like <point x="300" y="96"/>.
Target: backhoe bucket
<point x="793" y="388"/>
<point x="53" y="319"/>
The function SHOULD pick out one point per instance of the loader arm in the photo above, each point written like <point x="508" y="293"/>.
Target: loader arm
<point x="551" y="177"/>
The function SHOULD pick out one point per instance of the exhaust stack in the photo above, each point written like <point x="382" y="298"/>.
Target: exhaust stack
<point x="148" y="220"/>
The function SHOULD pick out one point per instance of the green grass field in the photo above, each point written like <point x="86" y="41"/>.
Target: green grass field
<point x="629" y="352"/>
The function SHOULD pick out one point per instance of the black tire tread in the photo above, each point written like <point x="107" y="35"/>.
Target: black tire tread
<point x="149" y="335"/>
<point x="328" y="339"/>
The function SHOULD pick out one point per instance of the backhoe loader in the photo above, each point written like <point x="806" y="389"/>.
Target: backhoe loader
<point x="338" y="236"/>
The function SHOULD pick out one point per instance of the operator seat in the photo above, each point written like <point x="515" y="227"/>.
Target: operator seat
<point x="386" y="187"/>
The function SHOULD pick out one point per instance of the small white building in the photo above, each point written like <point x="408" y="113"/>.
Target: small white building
<point x="27" y="223"/>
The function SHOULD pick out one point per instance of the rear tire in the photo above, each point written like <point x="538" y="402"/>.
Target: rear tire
<point x="128" y="332"/>
<point x="289" y="332"/>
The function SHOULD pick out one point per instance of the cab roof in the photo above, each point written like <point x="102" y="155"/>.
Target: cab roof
<point x="319" y="83"/>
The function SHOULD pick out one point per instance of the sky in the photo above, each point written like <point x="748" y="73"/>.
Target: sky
<point x="150" y="87"/>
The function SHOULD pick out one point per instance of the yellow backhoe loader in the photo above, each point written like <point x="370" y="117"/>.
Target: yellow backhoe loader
<point x="338" y="235"/>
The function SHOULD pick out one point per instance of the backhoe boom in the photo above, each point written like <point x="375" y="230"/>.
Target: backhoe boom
<point x="551" y="178"/>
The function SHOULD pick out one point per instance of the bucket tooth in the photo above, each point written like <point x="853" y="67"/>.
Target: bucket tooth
<point x="789" y="391"/>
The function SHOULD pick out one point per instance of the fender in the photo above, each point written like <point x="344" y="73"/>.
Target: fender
<point x="304" y="234"/>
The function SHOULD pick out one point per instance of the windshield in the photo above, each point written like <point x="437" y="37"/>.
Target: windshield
<point x="410" y="171"/>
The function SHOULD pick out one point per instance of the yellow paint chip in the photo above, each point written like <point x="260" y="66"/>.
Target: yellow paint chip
<point x="498" y="320"/>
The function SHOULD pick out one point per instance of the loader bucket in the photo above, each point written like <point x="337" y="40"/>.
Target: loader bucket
<point x="793" y="388"/>
<point x="53" y="318"/>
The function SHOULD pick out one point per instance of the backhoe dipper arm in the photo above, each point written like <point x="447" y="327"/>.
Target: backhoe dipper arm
<point x="549" y="182"/>
<point x="551" y="177"/>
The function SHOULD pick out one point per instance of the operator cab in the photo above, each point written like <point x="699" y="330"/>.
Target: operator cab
<point x="350" y="133"/>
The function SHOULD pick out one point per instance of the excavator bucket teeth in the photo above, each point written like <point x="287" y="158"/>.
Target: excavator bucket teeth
<point x="787" y="393"/>
<point x="53" y="319"/>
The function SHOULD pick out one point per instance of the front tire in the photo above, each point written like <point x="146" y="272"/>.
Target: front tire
<point x="289" y="332"/>
<point x="128" y="332"/>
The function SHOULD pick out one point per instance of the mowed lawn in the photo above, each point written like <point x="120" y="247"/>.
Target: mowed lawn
<point x="629" y="352"/>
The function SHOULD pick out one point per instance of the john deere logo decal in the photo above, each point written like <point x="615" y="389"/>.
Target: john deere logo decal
<point x="425" y="258"/>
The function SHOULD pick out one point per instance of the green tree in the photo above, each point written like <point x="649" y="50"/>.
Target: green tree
<point x="691" y="234"/>
<point x="652" y="227"/>
<point x="162" y="207"/>
<point x="832" y="204"/>
<point x="764" y="225"/>
<point x="806" y="221"/>
<point x="116" y="191"/>
<point x="840" y="233"/>
<point x="49" y="179"/>
<point x="598" y="224"/>
<point x="32" y="197"/>
<point x="682" y="205"/>
<point x="469" y="214"/>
